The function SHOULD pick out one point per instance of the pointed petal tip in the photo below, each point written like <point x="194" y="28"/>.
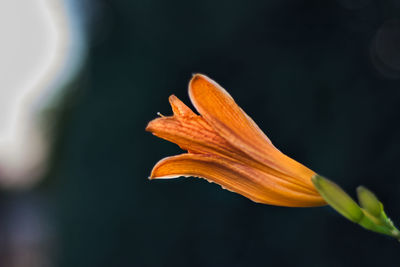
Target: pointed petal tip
<point x="152" y="176"/>
<point x="152" y="125"/>
<point x="172" y="98"/>
<point x="158" y="173"/>
<point x="148" y="126"/>
<point x="173" y="101"/>
<point x="167" y="177"/>
<point x="179" y="108"/>
<point x="156" y="125"/>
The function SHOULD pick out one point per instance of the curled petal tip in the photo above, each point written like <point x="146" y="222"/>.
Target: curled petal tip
<point x="152" y="175"/>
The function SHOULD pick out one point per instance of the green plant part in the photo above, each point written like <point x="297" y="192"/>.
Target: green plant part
<point x="370" y="215"/>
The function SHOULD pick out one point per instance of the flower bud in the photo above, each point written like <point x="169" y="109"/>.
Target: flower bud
<point x="369" y="201"/>
<point x="337" y="198"/>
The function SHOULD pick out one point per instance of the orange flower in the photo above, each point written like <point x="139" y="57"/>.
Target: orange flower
<point x="225" y="146"/>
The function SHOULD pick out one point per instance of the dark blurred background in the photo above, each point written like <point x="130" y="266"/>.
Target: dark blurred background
<point x="321" y="78"/>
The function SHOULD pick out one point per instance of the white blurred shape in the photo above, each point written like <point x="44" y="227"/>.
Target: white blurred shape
<point x="36" y="38"/>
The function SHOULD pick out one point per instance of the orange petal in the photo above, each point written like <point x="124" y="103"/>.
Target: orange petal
<point x="250" y="182"/>
<point x="188" y="130"/>
<point x="220" y="110"/>
<point x="179" y="108"/>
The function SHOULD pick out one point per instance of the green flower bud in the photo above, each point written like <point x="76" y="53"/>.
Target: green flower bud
<point x="337" y="198"/>
<point x="369" y="201"/>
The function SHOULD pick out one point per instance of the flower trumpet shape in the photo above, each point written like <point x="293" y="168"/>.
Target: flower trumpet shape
<point x="225" y="146"/>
